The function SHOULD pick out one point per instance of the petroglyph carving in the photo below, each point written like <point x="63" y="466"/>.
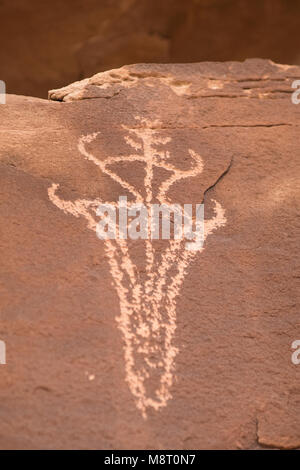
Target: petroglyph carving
<point x="147" y="317"/>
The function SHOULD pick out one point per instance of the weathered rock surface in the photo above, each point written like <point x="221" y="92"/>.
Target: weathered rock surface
<point x="48" y="44"/>
<point x="215" y="370"/>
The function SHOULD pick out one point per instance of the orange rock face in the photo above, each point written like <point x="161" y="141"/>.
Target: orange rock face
<point x="137" y="343"/>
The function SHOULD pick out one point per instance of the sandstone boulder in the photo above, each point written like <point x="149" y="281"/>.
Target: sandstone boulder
<point x="140" y="344"/>
<point x="48" y="44"/>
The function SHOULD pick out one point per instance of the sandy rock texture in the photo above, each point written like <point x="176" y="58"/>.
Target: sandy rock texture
<point x="129" y="345"/>
<point x="48" y="44"/>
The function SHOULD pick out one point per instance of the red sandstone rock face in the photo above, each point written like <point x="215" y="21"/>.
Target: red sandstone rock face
<point x="215" y="370"/>
<point x="47" y="44"/>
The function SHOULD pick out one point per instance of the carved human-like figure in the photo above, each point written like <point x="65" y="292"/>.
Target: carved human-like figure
<point x="147" y="317"/>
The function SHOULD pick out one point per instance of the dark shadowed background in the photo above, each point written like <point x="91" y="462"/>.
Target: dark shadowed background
<point x="46" y="45"/>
